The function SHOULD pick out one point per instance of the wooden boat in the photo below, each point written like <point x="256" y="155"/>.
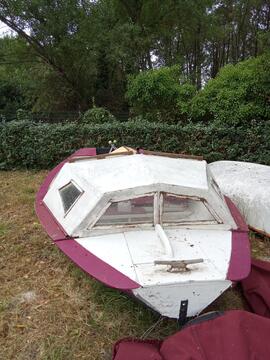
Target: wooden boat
<point x="248" y="185"/>
<point x="152" y="224"/>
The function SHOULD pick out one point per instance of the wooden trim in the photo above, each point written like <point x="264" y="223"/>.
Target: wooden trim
<point x="101" y="156"/>
<point x="144" y="152"/>
<point x="172" y="155"/>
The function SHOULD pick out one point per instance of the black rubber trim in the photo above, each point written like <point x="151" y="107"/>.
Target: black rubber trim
<point x="205" y="317"/>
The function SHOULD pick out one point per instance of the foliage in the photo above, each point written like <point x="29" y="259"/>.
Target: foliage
<point x="97" y="115"/>
<point x="239" y="94"/>
<point x="9" y="95"/>
<point x="186" y="93"/>
<point x="158" y="94"/>
<point x="66" y="42"/>
<point x="10" y="92"/>
<point x="16" y="81"/>
<point x="26" y="145"/>
<point x="23" y="115"/>
<point x="66" y="52"/>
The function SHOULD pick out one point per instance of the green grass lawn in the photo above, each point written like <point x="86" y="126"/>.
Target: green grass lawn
<point x="49" y="308"/>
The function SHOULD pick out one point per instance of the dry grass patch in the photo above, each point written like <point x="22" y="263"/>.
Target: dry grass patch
<point x="50" y="309"/>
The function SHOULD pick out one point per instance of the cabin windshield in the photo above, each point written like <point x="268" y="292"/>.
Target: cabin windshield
<point x="129" y="212"/>
<point x="168" y="209"/>
<point x="177" y="209"/>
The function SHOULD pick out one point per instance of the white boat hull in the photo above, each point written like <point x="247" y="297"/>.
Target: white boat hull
<point x="155" y="225"/>
<point x="166" y="299"/>
<point x="134" y="253"/>
<point x="248" y="185"/>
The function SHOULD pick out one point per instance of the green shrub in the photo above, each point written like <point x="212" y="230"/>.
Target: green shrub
<point x="238" y="95"/>
<point x="97" y="115"/>
<point x="23" y="115"/>
<point x="3" y="118"/>
<point x="28" y="145"/>
<point x="158" y="95"/>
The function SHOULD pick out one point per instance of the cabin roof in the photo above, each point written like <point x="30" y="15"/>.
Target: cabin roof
<point x="115" y="177"/>
<point x="122" y="172"/>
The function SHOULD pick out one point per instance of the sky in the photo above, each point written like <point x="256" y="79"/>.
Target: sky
<point x="4" y="29"/>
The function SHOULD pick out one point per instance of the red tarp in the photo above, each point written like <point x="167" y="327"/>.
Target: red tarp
<point x="256" y="288"/>
<point x="235" y="335"/>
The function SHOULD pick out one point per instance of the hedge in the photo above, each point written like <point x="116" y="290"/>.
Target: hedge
<point x="36" y="146"/>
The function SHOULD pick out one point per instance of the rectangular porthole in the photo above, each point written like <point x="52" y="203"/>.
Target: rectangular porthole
<point x="69" y="195"/>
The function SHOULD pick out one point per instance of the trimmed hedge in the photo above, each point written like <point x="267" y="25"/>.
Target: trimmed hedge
<point x="36" y="146"/>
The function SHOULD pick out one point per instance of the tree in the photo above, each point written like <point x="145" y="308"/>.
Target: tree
<point x="57" y="32"/>
<point x="84" y="49"/>
<point x="239" y="95"/>
<point x="12" y="86"/>
<point x="159" y="94"/>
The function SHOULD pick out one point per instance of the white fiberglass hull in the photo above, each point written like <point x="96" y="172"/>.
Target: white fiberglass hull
<point x="135" y="252"/>
<point x="166" y="299"/>
<point x="248" y="185"/>
<point x="90" y="206"/>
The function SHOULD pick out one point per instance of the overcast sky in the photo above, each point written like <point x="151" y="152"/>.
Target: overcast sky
<point x="4" y="29"/>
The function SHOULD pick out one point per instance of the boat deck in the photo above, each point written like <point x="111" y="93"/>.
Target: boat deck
<point x="133" y="253"/>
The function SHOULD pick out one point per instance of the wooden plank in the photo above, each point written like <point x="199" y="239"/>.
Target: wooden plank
<point x="171" y="155"/>
<point x="101" y="156"/>
<point x="142" y="151"/>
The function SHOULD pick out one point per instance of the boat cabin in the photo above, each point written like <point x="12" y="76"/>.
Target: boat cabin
<point x="95" y="196"/>
<point x="154" y="225"/>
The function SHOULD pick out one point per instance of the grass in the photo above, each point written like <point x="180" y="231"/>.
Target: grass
<point x="49" y="308"/>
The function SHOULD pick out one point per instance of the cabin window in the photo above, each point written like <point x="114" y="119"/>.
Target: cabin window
<point x="185" y="210"/>
<point x="69" y="194"/>
<point x="129" y="212"/>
